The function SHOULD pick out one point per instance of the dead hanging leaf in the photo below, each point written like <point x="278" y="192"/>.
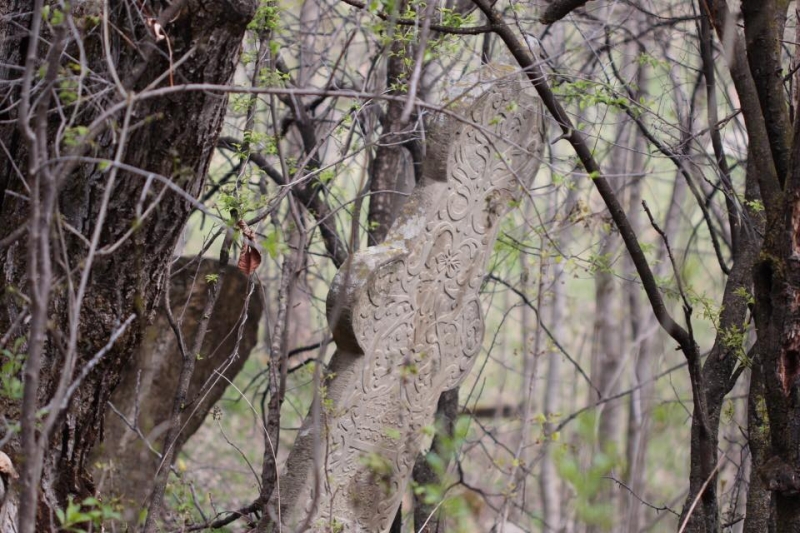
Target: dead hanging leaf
<point x="156" y="28"/>
<point x="249" y="257"/>
<point x="249" y="260"/>
<point x="160" y="35"/>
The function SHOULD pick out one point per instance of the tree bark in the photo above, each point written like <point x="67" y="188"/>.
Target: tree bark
<point x="759" y="515"/>
<point x="549" y="481"/>
<point x="777" y="289"/>
<point x="128" y="280"/>
<point x="125" y="465"/>
<point x="397" y="163"/>
<point x="642" y="347"/>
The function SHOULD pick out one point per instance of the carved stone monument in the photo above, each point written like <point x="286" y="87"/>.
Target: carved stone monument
<point x="407" y="320"/>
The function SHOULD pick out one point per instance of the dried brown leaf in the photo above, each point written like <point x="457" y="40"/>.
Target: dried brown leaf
<point x="249" y="258"/>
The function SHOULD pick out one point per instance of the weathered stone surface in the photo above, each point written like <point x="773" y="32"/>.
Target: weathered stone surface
<point x="407" y="320"/>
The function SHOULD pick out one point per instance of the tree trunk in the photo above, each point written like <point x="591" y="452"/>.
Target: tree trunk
<point x="125" y="462"/>
<point x="759" y="515"/>
<point x="642" y="328"/>
<point x="550" y="484"/>
<point x="397" y="163"/>
<point x="549" y="481"/>
<point x="777" y="283"/>
<point x="95" y="208"/>
<point x="716" y="377"/>
<point x="607" y="348"/>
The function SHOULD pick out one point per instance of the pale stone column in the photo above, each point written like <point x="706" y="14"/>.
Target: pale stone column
<point x="407" y="320"/>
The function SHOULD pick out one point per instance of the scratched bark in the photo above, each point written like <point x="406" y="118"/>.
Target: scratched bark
<point x="407" y="319"/>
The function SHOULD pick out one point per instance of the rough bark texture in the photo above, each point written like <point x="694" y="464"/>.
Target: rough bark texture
<point x="759" y="515"/>
<point x="130" y="279"/>
<point x="777" y="284"/>
<point x="717" y="376"/>
<point x="124" y="462"/>
<point x="558" y="9"/>
<point x="777" y="319"/>
<point x="764" y="24"/>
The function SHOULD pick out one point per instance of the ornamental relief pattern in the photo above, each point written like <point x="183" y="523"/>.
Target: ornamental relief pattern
<point x="412" y="306"/>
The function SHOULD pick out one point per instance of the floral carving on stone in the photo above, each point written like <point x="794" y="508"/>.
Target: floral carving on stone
<point x="407" y="319"/>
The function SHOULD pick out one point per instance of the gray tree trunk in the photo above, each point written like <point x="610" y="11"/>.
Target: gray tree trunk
<point x="609" y="329"/>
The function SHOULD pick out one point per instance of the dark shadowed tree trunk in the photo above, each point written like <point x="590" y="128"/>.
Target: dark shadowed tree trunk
<point x="84" y="275"/>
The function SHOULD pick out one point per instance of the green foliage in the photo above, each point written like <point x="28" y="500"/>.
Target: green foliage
<point x="241" y="201"/>
<point x="261" y="142"/>
<point x="91" y="513"/>
<point x="708" y="306"/>
<point x="272" y="78"/>
<point x="647" y="60"/>
<point x="180" y="495"/>
<point x="744" y="294"/>
<point x="763" y="416"/>
<point x="453" y="19"/>
<point x="600" y="263"/>
<point x="53" y="16"/>
<point x="590" y="93"/>
<point x="68" y="89"/>
<point x="239" y="103"/>
<point x="328" y="405"/>
<point x="733" y="339"/>
<point x="12" y="363"/>
<point x="755" y="205"/>
<point x="541" y="420"/>
<point x="74" y="136"/>
<point x="454" y="505"/>
<point x="398" y="87"/>
<point x="440" y="45"/>
<point x="588" y="479"/>
<point x="392" y="433"/>
<point x="266" y="17"/>
<point x="326" y="176"/>
<point x="90" y="21"/>
<point x="273" y="244"/>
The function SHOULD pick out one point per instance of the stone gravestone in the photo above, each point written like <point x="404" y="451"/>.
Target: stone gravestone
<point x="407" y="320"/>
